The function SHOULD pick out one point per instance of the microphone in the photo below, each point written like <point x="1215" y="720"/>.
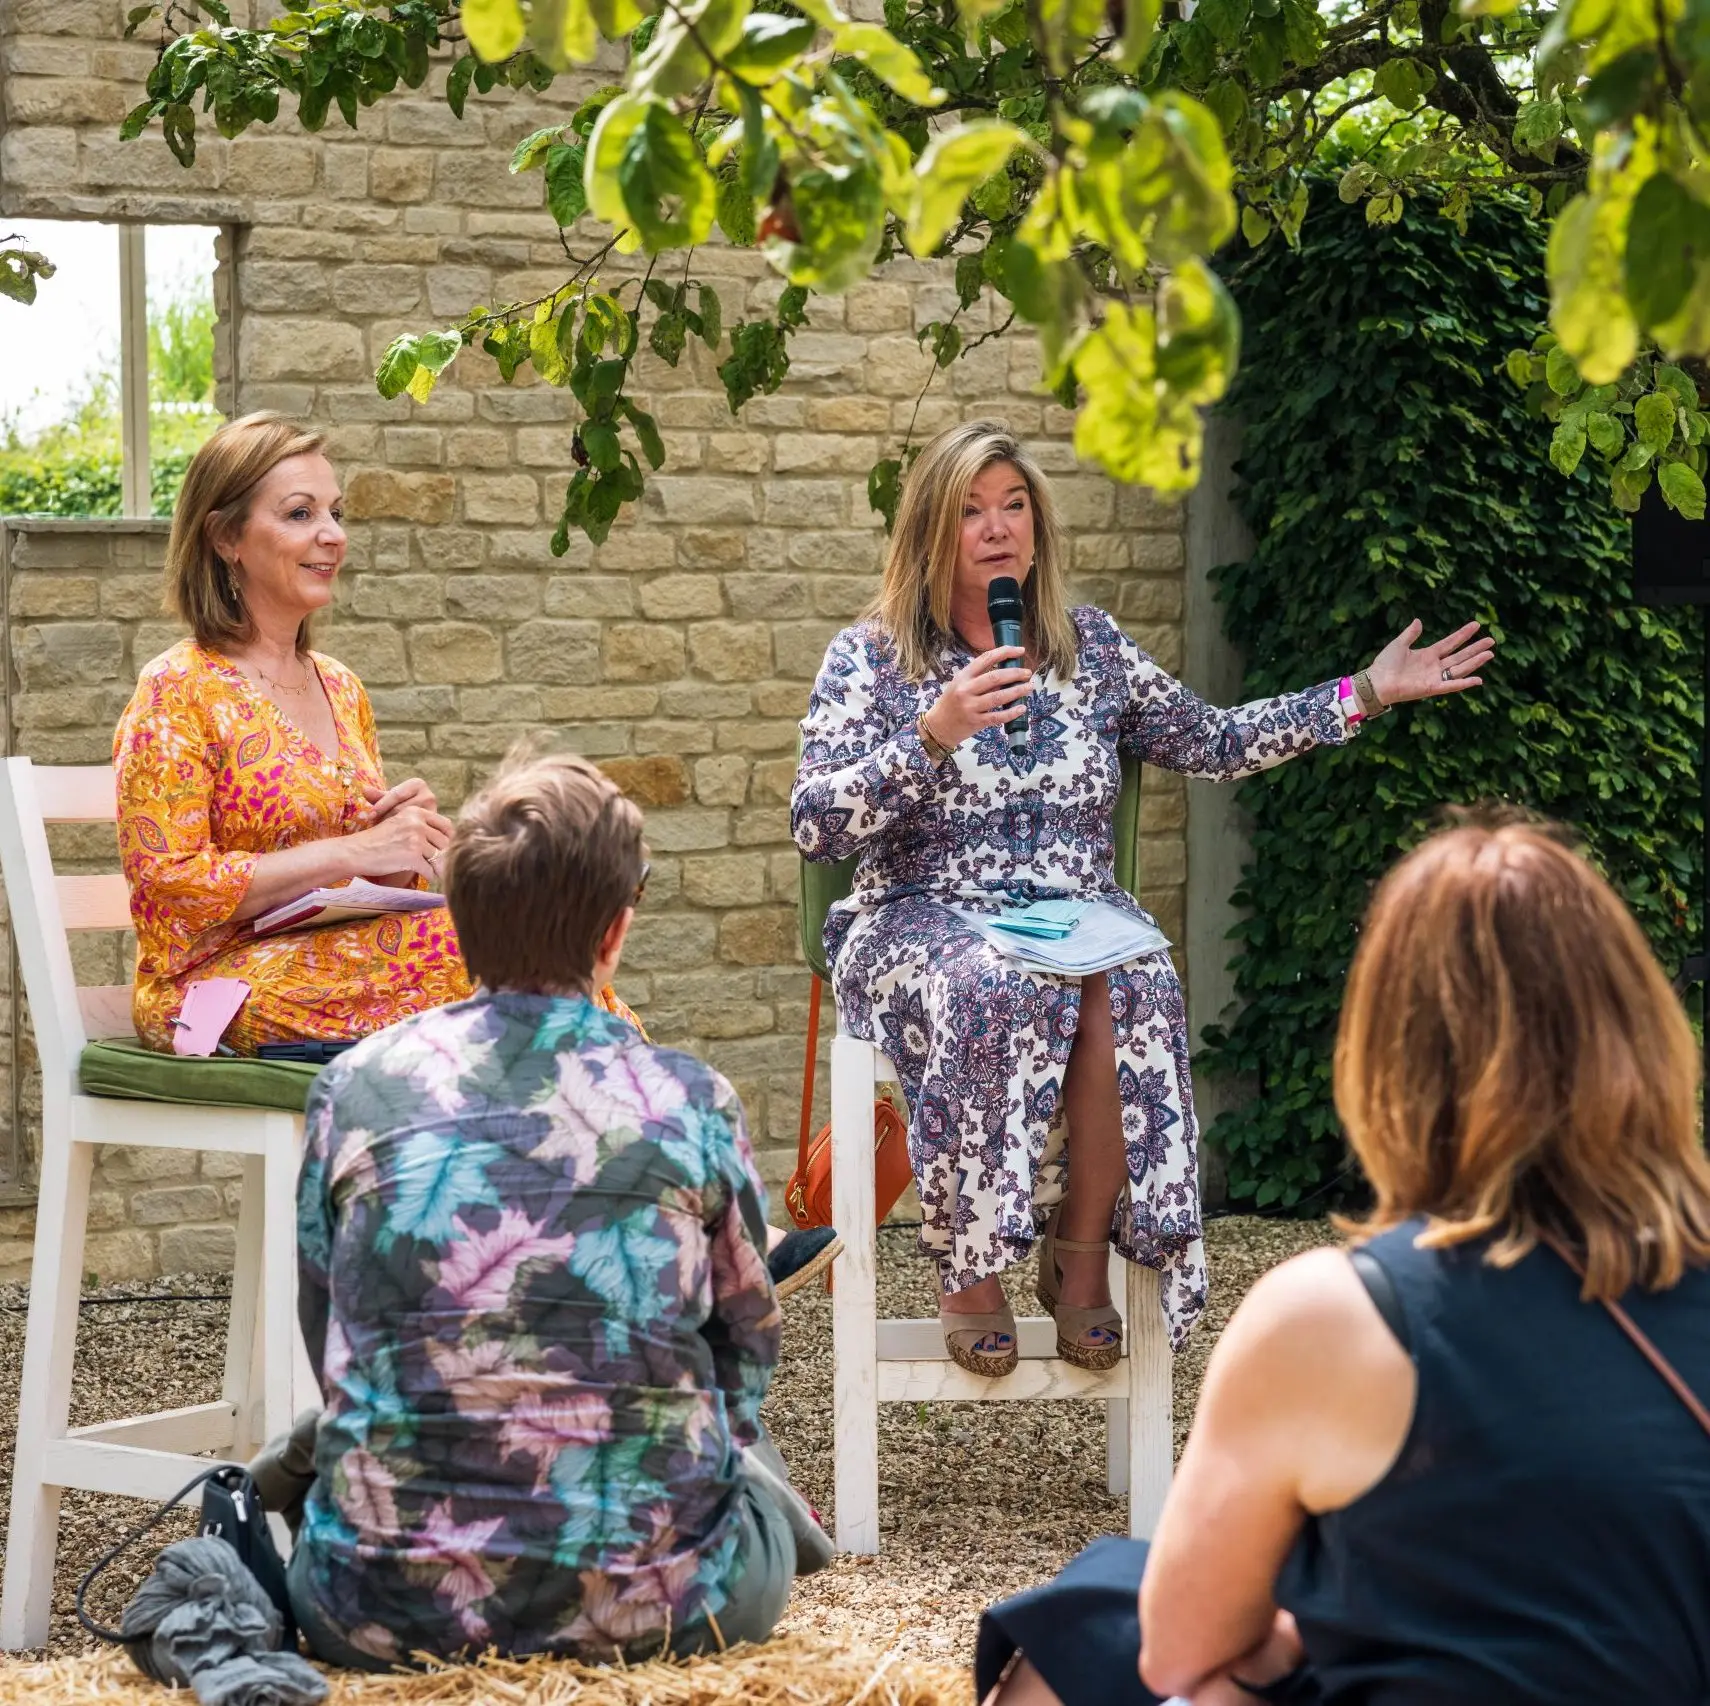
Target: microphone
<point x="1003" y="606"/>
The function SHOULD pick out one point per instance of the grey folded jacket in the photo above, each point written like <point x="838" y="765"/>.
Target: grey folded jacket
<point x="202" y="1620"/>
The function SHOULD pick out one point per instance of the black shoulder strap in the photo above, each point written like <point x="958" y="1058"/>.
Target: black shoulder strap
<point x="1380" y="1288"/>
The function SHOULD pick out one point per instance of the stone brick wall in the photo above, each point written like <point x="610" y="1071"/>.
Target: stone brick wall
<point x="678" y="654"/>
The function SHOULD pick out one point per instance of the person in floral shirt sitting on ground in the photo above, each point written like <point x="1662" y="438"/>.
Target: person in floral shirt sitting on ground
<point x="532" y="1256"/>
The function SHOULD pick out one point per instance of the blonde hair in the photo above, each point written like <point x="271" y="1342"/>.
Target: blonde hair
<point x="213" y="504"/>
<point x="913" y="606"/>
<point x="1512" y="1062"/>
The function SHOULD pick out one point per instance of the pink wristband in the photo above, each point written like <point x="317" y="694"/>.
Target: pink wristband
<point x="1350" y="701"/>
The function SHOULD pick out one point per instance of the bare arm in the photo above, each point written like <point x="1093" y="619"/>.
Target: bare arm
<point x="1307" y="1401"/>
<point x="292" y="871"/>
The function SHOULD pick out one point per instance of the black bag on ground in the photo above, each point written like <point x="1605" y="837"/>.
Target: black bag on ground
<point x="232" y="1512"/>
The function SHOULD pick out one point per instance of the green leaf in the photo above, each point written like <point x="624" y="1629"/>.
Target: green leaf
<point x="712" y="319"/>
<point x="1567" y="446"/>
<point x="1404" y="83"/>
<point x="19" y="271"/>
<point x="1683" y="489"/>
<point x="493" y="28"/>
<point x="970" y="277"/>
<point x="1679" y="384"/>
<point x="1605" y="434"/>
<point x="1619" y="89"/>
<point x="667" y="338"/>
<point x="433" y="353"/>
<point x="646" y="433"/>
<point x="735" y="212"/>
<point x="769" y="43"/>
<point x="1255" y="225"/>
<point x="884" y="489"/>
<point x="566" y="196"/>
<point x="1517" y="364"/>
<point x="137" y="120"/>
<point x="1538" y="127"/>
<point x="1356" y="181"/>
<point x="532" y="150"/>
<point x="667" y="190"/>
<point x="562" y="32"/>
<point x="457" y="83"/>
<point x="397" y="366"/>
<point x="1668" y="247"/>
<point x="1588" y="304"/>
<point x="1199" y="334"/>
<point x="954" y="162"/>
<point x="840" y="218"/>
<point x="890" y="61"/>
<point x="619" y="121"/>
<point x="1139" y="25"/>
<point x="1653" y="420"/>
<point x="1560" y="374"/>
<point x="601" y="443"/>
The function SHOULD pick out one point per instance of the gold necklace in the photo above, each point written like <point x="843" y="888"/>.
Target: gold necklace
<point x="280" y="686"/>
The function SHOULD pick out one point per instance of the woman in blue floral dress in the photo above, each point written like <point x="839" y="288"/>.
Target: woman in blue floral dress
<point x="905" y="762"/>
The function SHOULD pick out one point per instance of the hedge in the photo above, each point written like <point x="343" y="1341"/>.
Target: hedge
<point x="1388" y="470"/>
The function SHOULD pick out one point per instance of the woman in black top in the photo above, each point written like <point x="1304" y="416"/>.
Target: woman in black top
<point x="1437" y="1471"/>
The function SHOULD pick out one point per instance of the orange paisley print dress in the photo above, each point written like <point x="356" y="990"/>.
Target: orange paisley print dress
<point x="210" y="776"/>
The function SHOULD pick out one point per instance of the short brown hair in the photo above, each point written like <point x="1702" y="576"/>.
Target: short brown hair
<point x="543" y="859"/>
<point x="1512" y="1061"/>
<point x="913" y="606"/>
<point x="213" y="503"/>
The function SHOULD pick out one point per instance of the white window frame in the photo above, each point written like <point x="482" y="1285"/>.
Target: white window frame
<point x="136" y="501"/>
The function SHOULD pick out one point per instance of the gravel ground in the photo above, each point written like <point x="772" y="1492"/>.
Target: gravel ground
<point x="977" y="1500"/>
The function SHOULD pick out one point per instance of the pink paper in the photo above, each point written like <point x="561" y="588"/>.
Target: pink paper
<point x="209" y="1006"/>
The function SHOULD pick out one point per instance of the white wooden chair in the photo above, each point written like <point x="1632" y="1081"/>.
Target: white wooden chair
<point x="878" y="1361"/>
<point x="150" y="1456"/>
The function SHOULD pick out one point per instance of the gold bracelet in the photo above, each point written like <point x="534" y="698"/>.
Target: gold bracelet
<point x="936" y="750"/>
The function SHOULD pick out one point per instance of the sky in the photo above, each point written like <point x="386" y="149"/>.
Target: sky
<point x="48" y="349"/>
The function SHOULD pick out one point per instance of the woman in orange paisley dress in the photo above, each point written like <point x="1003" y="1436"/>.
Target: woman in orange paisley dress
<point x="249" y="771"/>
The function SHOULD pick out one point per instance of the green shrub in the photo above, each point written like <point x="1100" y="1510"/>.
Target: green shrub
<point x="1390" y="470"/>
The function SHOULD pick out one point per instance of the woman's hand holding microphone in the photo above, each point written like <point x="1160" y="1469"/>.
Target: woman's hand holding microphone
<point x="984" y="694"/>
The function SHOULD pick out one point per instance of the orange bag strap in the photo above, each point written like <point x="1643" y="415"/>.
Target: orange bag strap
<point x="807" y="1080"/>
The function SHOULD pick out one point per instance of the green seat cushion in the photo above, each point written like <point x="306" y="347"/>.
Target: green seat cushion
<point x="141" y="1074"/>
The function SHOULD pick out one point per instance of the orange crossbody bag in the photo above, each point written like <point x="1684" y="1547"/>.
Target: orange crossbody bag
<point x="808" y="1194"/>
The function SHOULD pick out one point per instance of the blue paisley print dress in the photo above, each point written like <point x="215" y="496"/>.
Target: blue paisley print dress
<point x="980" y="1042"/>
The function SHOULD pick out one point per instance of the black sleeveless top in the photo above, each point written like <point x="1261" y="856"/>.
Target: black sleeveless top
<point x="1543" y="1539"/>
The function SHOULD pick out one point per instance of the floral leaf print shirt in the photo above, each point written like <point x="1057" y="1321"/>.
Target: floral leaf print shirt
<point x="533" y="1278"/>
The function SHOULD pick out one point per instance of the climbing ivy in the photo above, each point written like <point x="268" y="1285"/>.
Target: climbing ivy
<point x="1389" y="469"/>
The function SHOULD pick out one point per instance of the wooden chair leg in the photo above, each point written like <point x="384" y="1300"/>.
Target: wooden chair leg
<point x="44" y="1391"/>
<point x="854" y="1302"/>
<point x="239" y="1387"/>
<point x="1151" y="1449"/>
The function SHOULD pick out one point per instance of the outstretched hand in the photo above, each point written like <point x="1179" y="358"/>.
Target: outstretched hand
<point x="1401" y="673"/>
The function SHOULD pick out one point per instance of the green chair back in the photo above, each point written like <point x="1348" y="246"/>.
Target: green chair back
<point x="822" y="886"/>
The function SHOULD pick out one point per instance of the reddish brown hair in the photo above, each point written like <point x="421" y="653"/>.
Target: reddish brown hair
<point x="1511" y="1061"/>
<point x="543" y="859"/>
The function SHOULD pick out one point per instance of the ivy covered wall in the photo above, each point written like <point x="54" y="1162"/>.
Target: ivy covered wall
<point x="1390" y="470"/>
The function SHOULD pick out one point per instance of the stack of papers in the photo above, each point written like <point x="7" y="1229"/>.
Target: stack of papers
<point x="1075" y="938"/>
<point x="1050" y="919"/>
<point x="357" y="899"/>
